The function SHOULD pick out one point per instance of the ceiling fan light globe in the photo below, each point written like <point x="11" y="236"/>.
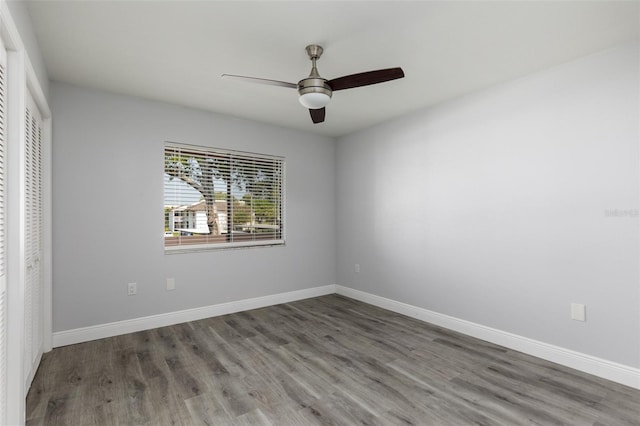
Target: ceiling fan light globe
<point x="314" y="100"/>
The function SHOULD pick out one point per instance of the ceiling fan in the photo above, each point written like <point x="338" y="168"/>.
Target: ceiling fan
<point x="315" y="91"/>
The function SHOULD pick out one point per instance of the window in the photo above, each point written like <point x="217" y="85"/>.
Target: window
<point x="215" y="198"/>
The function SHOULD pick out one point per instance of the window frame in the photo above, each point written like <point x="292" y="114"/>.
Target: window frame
<point x="181" y="247"/>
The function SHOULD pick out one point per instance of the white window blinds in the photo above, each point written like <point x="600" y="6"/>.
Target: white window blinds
<point x="216" y="198"/>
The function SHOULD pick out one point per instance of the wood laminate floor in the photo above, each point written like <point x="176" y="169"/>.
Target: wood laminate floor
<point x="328" y="360"/>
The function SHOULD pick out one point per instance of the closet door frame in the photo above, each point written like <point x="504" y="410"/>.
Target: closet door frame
<point x="21" y="79"/>
<point x="3" y="252"/>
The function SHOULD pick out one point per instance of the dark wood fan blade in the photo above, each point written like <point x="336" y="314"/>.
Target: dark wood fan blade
<point x="317" y="115"/>
<point x="365" y="78"/>
<point x="260" y="81"/>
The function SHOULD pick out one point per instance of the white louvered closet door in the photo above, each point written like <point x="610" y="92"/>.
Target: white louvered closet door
<point x="3" y="263"/>
<point x="34" y="282"/>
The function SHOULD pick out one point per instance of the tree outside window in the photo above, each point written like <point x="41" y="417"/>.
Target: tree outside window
<point x="217" y="197"/>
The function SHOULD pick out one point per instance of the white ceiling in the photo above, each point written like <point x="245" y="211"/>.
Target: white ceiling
<point x="175" y="51"/>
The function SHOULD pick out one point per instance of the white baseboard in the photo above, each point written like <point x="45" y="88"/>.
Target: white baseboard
<point x="619" y="373"/>
<point x="615" y="372"/>
<point x="85" y="334"/>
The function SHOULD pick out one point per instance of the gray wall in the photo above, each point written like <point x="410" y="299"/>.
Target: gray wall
<point x="108" y="211"/>
<point x="493" y="208"/>
<point x="497" y="208"/>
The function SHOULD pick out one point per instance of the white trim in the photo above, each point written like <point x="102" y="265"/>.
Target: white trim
<point x="16" y="85"/>
<point x="47" y="233"/>
<point x="609" y="370"/>
<point x="190" y="248"/>
<point x="85" y="334"/>
<point x="20" y="79"/>
<point x="615" y="372"/>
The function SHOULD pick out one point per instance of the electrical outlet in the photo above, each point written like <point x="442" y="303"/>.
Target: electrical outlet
<point x="171" y="284"/>
<point x="132" y="289"/>
<point x="578" y="312"/>
<point x="357" y="268"/>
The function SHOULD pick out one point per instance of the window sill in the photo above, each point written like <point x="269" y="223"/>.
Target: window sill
<point x="222" y="246"/>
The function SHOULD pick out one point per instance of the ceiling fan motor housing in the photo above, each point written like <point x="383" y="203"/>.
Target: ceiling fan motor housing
<point x="314" y="90"/>
<point x="314" y="85"/>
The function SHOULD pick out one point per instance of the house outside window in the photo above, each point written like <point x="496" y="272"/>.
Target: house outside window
<point x="216" y="198"/>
